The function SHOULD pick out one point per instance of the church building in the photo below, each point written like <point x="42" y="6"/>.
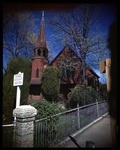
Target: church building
<point x="66" y="61"/>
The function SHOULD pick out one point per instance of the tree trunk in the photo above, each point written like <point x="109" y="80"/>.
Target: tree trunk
<point x="83" y="67"/>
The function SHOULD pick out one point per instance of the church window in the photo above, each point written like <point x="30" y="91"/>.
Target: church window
<point x="44" y="53"/>
<point x="67" y="72"/>
<point x="37" y="73"/>
<point x="70" y="72"/>
<point x="39" y="52"/>
<point x="91" y="81"/>
<point x="63" y="72"/>
<point x="35" y="52"/>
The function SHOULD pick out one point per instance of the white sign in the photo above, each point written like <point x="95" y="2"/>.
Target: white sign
<point x="18" y="79"/>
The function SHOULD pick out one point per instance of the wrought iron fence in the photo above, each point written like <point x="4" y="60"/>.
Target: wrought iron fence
<point x="8" y="136"/>
<point x="50" y="131"/>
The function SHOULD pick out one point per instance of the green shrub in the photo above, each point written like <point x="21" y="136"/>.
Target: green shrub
<point x="48" y="109"/>
<point x="45" y="108"/>
<point x="103" y="91"/>
<point x="82" y="95"/>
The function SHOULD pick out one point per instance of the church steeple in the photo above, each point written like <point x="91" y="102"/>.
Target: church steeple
<point x="41" y="48"/>
<point x="39" y="62"/>
<point x="41" y="41"/>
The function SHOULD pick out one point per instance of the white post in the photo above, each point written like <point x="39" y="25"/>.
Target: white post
<point x="18" y="81"/>
<point x="18" y="96"/>
<point x="97" y="108"/>
<point x="78" y="115"/>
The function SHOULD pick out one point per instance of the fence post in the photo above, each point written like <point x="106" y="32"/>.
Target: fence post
<point x="24" y="129"/>
<point x="97" y="108"/>
<point x="78" y="115"/>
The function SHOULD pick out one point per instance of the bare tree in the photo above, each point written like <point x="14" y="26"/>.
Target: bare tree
<point x="79" y="29"/>
<point x="18" y="34"/>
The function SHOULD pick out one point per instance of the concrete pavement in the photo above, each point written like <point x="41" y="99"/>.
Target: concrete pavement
<point x="99" y="133"/>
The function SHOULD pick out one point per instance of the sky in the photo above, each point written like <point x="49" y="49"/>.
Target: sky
<point x="106" y="17"/>
<point x="108" y="13"/>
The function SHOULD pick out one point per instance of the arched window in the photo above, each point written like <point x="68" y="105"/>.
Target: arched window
<point x="35" y="52"/>
<point x="91" y="81"/>
<point x="70" y="72"/>
<point x="37" y="73"/>
<point x="63" y="72"/>
<point x="39" y="53"/>
<point x="44" y="53"/>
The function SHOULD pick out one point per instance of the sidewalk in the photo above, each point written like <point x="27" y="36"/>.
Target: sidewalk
<point x="99" y="133"/>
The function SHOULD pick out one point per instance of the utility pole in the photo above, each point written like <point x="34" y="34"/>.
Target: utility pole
<point x="108" y="74"/>
<point x="105" y="67"/>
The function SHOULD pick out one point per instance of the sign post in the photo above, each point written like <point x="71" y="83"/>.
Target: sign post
<point x="18" y="81"/>
<point x="18" y="97"/>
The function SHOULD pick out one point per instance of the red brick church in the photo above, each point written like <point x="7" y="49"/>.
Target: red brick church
<point x="66" y="61"/>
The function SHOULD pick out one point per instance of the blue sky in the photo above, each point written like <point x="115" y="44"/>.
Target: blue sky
<point x="106" y="17"/>
<point x="108" y="13"/>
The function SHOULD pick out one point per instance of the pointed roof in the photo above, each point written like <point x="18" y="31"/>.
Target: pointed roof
<point x="41" y="41"/>
<point x="88" y="67"/>
<point x="62" y="52"/>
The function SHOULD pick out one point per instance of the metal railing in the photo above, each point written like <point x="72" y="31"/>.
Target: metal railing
<point x="8" y="133"/>
<point x="50" y="131"/>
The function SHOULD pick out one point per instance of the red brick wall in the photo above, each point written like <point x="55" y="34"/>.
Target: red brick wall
<point x="38" y="62"/>
<point x="72" y="57"/>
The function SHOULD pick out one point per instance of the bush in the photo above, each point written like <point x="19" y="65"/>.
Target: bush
<point x="48" y="109"/>
<point x="45" y="108"/>
<point x="103" y="91"/>
<point x="82" y="95"/>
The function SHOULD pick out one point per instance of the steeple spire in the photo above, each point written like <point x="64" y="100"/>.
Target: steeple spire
<point x="41" y="41"/>
<point x="43" y="16"/>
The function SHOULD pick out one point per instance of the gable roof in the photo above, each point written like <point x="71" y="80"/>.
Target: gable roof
<point x="91" y="70"/>
<point x="61" y="53"/>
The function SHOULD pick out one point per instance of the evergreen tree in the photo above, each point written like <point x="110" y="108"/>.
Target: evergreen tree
<point x="14" y="66"/>
<point x="50" y="83"/>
